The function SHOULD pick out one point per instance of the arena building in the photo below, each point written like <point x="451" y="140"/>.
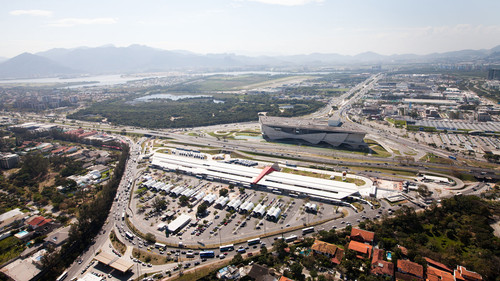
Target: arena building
<point x="309" y="130"/>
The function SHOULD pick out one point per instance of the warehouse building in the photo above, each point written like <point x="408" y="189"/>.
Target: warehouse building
<point x="178" y="223"/>
<point x="245" y="176"/>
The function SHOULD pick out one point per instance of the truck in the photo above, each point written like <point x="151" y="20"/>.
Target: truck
<point x="452" y="157"/>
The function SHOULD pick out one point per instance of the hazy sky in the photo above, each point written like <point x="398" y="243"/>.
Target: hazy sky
<point x="252" y="26"/>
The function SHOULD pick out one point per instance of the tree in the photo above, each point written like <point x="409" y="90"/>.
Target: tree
<point x="159" y="204"/>
<point x="237" y="259"/>
<point x="150" y="237"/>
<point x="223" y="192"/>
<point x="296" y="269"/>
<point x="183" y="200"/>
<point x="202" y="208"/>
<point x="279" y="247"/>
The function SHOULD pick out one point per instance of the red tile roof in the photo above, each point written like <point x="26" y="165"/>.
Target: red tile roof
<point x="39" y="222"/>
<point x="378" y="255"/>
<point x="437" y="265"/>
<point x="339" y="254"/>
<point x="36" y="221"/>
<point x="360" y="248"/>
<point x="404" y="251"/>
<point x="434" y="274"/>
<point x="383" y="268"/>
<point x="412" y="268"/>
<point x="469" y="275"/>
<point x="457" y="275"/>
<point x="324" y="247"/>
<point x="362" y="235"/>
<point x="283" y="278"/>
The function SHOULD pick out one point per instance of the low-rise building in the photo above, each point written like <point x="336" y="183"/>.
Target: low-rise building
<point x="380" y="266"/>
<point x="409" y="271"/>
<point x="363" y="250"/>
<point x="332" y="251"/>
<point x="461" y="273"/>
<point x="362" y="236"/>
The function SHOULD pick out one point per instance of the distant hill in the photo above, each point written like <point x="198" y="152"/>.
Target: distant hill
<point x="139" y="58"/>
<point x="135" y="58"/>
<point x="27" y="65"/>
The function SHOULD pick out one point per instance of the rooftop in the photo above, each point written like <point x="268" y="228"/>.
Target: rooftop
<point x="312" y="124"/>
<point x="363" y="235"/>
<point x="412" y="268"/>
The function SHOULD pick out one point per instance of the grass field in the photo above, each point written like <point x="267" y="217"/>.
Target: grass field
<point x="239" y="82"/>
<point x="10" y="248"/>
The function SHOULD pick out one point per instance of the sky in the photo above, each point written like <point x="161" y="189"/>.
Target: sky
<point x="252" y="27"/>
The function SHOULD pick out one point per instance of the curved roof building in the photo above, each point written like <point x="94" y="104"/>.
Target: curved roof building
<point x="312" y="131"/>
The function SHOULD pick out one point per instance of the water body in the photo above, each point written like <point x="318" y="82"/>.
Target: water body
<point x="100" y="80"/>
<point x="169" y="97"/>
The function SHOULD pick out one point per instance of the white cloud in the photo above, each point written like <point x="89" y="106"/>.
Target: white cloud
<point x="68" y="22"/>
<point x="40" y="13"/>
<point x="287" y="2"/>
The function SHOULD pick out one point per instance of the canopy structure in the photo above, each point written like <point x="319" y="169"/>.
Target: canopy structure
<point x="115" y="262"/>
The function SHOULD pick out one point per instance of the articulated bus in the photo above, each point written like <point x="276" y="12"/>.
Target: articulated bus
<point x="226" y="248"/>
<point x="253" y="241"/>
<point x="307" y="230"/>
<point x="62" y="276"/>
<point x="207" y="254"/>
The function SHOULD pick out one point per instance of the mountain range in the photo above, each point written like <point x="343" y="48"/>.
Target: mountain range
<point x="138" y="58"/>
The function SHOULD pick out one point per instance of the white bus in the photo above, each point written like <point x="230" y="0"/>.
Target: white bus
<point x="160" y="246"/>
<point x="307" y="230"/>
<point x="226" y="248"/>
<point x="291" y="238"/>
<point x="129" y="235"/>
<point x="62" y="276"/>
<point x="253" y="241"/>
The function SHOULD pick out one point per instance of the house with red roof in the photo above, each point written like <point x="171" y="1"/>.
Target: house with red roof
<point x="437" y="265"/>
<point x="362" y="236"/>
<point x="41" y="225"/>
<point x="363" y="250"/>
<point x="327" y="249"/>
<point x="409" y="271"/>
<point x="461" y="273"/>
<point x="380" y="266"/>
<point x="435" y="274"/>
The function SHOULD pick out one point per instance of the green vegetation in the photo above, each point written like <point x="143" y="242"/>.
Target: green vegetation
<point x="459" y="232"/>
<point x="201" y="111"/>
<point x="91" y="216"/>
<point x="117" y="244"/>
<point x="378" y="150"/>
<point x="432" y="158"/>
<point x="10" y="248"/>
<point x="148" y="257"/>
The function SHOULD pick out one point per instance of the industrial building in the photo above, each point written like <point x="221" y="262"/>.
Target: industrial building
<point x="178" y="223"/>
<point x="309" y="130"/>
<point x="246" y="176"/>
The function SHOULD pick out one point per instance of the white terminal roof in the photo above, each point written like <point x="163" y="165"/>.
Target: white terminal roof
<point x="179" y="222"/>
<point x="230" y="172"/>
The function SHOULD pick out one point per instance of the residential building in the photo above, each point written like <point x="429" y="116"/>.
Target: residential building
<point x="363" y="250"/>
<point x="261" y="273"/>
<point x="323" y="248"/>
<point x="409" y="271"/>
<point x="461" y="273"/>
<point x="9" y="161"/>
<point x="380" y="266"/>
<point x="437" y="265"/>
<point x="362" y="236"/>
